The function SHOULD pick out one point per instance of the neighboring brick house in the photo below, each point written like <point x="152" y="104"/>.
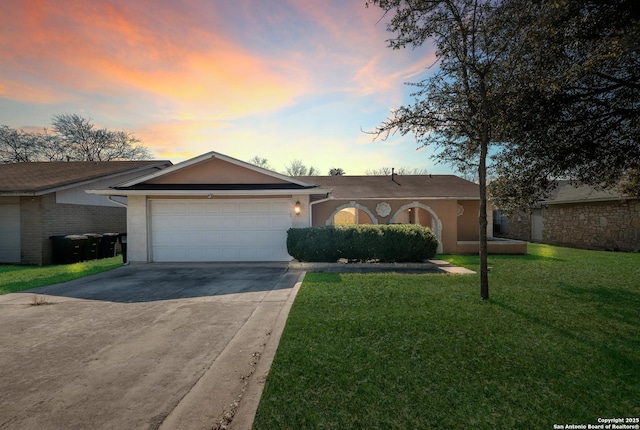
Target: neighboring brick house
<point x="579" y="217"/>
<point x="39" y="200"/>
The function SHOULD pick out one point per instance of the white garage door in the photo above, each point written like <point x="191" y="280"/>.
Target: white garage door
<point x="9" y="233"/>
<point x="220" y="230"/>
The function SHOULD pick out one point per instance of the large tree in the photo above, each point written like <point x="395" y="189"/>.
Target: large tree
<point x="72" y="138"/>
<point x="574" y="105"/>
<point x="83" y="141"/>
<point x="458" y="108"/>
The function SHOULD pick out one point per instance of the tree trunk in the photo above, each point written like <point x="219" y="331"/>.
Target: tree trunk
<point x="482" y="175"/>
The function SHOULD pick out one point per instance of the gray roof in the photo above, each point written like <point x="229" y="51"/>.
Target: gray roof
<point x="566" y="192"/>
<point x="384" y="187"/>
<point x="39" y="177"/>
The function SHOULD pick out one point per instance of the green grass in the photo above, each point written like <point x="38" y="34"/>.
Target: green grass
<point x="557" y="343"/>
<point x="19" y="278"/>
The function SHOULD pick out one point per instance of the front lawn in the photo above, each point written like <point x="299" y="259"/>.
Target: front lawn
<point x="557" y="343"/>
<point x="18" y="278"/>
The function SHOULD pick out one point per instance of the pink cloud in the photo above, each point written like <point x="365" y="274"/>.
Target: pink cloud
<point x="114" y="49"/>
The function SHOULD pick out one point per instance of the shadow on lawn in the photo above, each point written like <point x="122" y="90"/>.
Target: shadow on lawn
<point x="525" y="257"/>
<point x="617" y="304"/>
<point x="569" y="334"/>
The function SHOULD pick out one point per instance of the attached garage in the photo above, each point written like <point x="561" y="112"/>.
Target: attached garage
<point x="213" y="208"/>
<point x="219" y="230"/>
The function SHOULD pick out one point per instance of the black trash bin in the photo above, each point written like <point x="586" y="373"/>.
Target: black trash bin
<point x="92" y="246"/>
<point x="123" y="245"/>
<point x="107" y="247"/>
<point x="68" y="249"/>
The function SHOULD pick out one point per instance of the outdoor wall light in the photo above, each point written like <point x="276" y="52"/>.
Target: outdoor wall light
<point x="297" y="209"/>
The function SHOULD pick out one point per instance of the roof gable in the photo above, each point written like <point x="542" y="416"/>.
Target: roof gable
<point x="45" y="177"/>
<point x="216" y="169"/>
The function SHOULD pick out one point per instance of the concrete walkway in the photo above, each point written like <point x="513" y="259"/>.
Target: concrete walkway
<point x="431" y="266"/>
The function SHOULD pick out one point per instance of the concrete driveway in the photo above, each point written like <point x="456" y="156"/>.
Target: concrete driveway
<point x="156" y="346"/>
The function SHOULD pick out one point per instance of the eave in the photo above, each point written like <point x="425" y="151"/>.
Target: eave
<point x="210" y="192"/>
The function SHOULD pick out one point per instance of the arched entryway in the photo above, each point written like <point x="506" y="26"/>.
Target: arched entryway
<point x="420" y="214"/>
<point x="351" y="213"/>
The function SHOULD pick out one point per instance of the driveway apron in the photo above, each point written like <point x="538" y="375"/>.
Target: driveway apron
<point x="140" y="347"/>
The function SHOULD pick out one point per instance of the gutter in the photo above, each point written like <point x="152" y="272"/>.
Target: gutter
<point x="195" y="193"/>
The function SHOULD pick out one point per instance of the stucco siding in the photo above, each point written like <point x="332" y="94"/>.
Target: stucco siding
<point x="467" y="219"/>
<point x="215" y="171"/>
<point x="137" y="229"/>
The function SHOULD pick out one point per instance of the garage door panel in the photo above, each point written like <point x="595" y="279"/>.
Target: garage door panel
<point x="230" y="208"/>
<point x="214" y="238"/>
<point x="213" y="208"/>
<point x="226" y="223"/>
<point x="195" y="209"/>
<point x="263" y="208"/>
<point x="228" y="239"/>
<point x="220" y="230"/>
<point x="263" y="238"/>
<point x="247" y="207"/>
<point x="248" y="222"/>
<point x="244" y="239"/>
<point x="168" y="208"/>
<point x="280" y="223"/>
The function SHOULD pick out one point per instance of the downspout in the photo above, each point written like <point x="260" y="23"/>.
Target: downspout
<point x="116" y="202"/>
<point x="311" y="208"/>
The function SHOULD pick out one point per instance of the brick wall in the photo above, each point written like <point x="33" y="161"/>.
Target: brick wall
<point x="41" y="217"/>
<point x="607" y="225"/>
<point x="31" y="230"/>
<point x="519" y="226"/>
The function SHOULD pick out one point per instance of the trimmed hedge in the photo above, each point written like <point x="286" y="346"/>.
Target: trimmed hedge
<point x="388" y="243"/>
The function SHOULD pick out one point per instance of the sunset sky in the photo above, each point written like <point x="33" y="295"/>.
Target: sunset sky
<point x="281" y="79"/>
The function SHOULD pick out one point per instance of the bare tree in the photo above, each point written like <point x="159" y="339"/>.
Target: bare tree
<point x="260" y="162"/>
<point x="403" y="170"/>
<point x="14" y="146"/>
<point x="297" y="168"/>
<point x="73" y="138"/>
<point x="82" y="141"/>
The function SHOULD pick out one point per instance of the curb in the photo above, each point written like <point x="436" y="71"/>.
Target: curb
<point x="246" y="413"/>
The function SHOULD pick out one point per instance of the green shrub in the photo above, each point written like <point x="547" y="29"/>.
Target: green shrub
<point x="389" y="243"/>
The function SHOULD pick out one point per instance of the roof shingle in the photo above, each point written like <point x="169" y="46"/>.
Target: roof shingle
<point x="384" y="187"/>
<point x="41" y="176"/>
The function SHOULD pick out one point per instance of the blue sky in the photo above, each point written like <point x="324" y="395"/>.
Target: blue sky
<point x="280" y="79"/>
